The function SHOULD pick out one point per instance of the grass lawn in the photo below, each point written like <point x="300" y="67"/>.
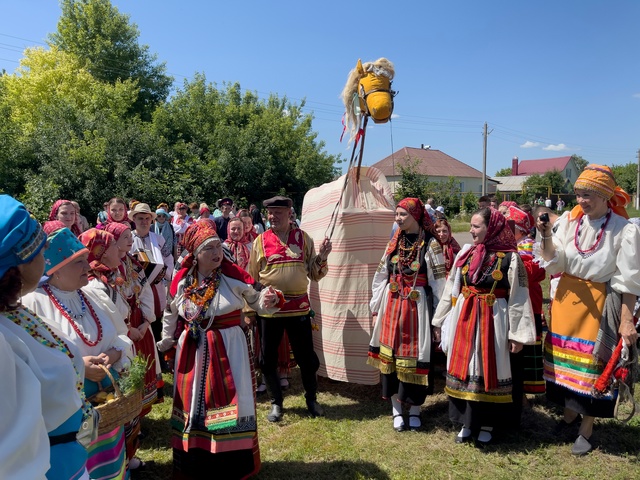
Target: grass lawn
<point x="356" y="441"/>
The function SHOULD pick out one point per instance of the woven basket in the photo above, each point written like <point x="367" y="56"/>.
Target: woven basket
<point x="119" y="411"/>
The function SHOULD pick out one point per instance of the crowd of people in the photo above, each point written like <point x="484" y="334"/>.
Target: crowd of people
<point x="214" y="296"/>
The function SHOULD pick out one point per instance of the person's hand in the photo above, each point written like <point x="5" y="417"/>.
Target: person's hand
<point x="134" y="334"/>
<point x="105" y="360"/>
<point x="92" y="371"/>
<point x="270" y="296"/>
<point x="543" y="227"/>
<point x="325" y="249"/>
<point x="514" y="347"/>
<point x="628" y="332"/>
<point x="437" y="334"/>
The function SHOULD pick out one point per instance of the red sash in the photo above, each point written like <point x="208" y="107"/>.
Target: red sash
<point x="220" y="396"/>
<point x="474" y="308"/>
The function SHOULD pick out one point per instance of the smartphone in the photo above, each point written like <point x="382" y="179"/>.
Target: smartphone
<point x="544" y="217"/>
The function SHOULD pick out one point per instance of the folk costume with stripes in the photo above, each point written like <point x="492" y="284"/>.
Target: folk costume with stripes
<point x="214" y="410"/>
<point x="406" y="288"/>
<point x="485" y="304"/>
<point x="598" y="261"/>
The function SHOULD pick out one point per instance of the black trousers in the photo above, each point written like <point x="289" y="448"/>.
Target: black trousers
<point x="299" y="332"/>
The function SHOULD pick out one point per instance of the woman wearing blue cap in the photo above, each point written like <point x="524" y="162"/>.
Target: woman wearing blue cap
<point x="43" y="377"/>
<point x="85" y="322"/>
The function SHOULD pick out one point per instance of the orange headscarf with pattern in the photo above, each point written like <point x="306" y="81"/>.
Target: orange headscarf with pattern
<point x="600" y="179"/>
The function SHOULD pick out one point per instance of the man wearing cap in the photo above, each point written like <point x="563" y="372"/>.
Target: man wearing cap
<point x="284" y="257"/>
<point x="148" y="249"/>
<point x="224" y="205"/>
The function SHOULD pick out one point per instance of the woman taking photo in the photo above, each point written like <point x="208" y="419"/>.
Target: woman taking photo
<point x="406" y="287"/>
<point x="43" y="393"/>
<point x="488" y="316"/>
<point x="84" y="323"/>
<point x="214" y="411"/>
<point x="596" y="250"/>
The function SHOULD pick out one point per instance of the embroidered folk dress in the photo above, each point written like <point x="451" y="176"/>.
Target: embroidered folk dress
<point x="56" y="400"/>
<point x="214" y="411"/>
<point x="570" y="367"/>
<point x="107" y="453"/>
<point x="401" y="344"/>
<point x="512" y="320"/>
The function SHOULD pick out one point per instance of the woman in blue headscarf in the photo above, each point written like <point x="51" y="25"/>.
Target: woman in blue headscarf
<point x="43" y="376"/>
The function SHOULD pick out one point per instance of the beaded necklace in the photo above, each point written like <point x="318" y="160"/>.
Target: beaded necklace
<point x="576" y="239"/>
<point x="68" y="314"/>
<point x="31" y="323"/>
<point x="197" y="299"/>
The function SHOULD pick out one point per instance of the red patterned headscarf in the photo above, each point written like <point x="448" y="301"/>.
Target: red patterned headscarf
<point x="52" y="225"/>
<point x="415" y="207"/>
<point x="97" y="242"/>
<point x="238" y="248"/>
<point x="499" y="238"/>
<point x="116" y="229"/>
<point x="53" y="214"/>
<point x="451" y="248"/>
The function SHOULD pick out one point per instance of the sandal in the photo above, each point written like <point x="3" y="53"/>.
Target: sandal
<point x="401" y="427"/>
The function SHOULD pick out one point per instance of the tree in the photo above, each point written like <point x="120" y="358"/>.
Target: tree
<point x="412" y="183"/>
<point x="580" y="163"/>
<point x="106" y="44"/>
<point x="626" y="176"/>
<point x="447" y="194"/>
<point x="503" y="172"/>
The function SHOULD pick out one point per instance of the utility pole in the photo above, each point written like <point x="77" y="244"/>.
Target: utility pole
<point x="485" y="134"/>
<point x="638" y="183"/>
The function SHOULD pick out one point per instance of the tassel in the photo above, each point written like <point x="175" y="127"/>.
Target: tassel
<point x="604" y="380"/>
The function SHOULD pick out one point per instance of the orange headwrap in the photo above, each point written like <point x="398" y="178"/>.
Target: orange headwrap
<point x="599" y="179"/>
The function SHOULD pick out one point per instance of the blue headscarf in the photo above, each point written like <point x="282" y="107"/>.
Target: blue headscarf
<point x="21" y="236"/>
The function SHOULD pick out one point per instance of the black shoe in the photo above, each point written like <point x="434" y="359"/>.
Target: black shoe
<point x="461" y="439"/>
<point x="415" y="428"/>
<point x="275" y="415"/>
<point x="314" y="409"/>
<point x="581" y="446"/>
<point x="484" y="438"/>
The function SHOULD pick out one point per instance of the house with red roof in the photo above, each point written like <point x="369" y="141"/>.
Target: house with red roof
<point x="436" y="165"/>
<point x="521" y="170"/>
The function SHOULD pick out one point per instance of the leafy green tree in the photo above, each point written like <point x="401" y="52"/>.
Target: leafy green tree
<point x="580" y="163"/>
<point x="626" y="176"/>
<point x="447" y="194"/>
<point x="106" y="43"/>
<point x="412" y="183"/>
<point x="503" y="172"/>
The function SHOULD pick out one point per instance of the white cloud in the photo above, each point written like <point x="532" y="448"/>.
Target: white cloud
<point x="529" y="144"/>
<point x="395" y="115"/>
<point x="556" y="148"/>
<point x="636" y="95"/>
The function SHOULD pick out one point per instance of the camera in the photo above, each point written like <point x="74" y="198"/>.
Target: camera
<point x="544" y="217"/>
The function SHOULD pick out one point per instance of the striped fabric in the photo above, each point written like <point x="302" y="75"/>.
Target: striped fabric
<point x="107" y="458"/>
<point x="341" y="299"/>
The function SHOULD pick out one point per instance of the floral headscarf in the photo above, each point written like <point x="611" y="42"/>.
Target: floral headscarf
<point x="238" y="248"/>
<point x="449" y="249"/>
<point x="499" y="238"/>
<point x="117" y="229"/>
<point x="97" y="242"/>
<point x="415" y="207"/>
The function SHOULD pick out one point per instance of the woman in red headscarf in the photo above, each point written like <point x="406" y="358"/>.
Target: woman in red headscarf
<point x="406" y="287"/>
<point x="214" y="411"/>
<point x="488" y="316"/>
<point x="65" y="212"/>
<point x="450" y="246"/>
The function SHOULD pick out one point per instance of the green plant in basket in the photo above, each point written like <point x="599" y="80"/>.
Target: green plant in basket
<point x="133" y="378"/>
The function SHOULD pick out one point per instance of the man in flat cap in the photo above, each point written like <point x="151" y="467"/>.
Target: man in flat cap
<point x="284" y="257"/>
<point x="225" y="205"/>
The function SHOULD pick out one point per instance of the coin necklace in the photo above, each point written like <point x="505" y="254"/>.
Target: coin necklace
<point x="410" y="260"/>
<point x="496" y="275"/>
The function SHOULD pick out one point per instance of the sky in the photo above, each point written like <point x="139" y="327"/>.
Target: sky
<point x="550" y="78"/>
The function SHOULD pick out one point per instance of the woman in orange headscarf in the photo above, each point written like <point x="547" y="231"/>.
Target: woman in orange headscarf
<point x="406" y="288"/>
<point x="595" y="249"/>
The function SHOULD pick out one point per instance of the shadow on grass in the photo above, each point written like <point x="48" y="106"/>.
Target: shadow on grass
<point x="343" y="470"/>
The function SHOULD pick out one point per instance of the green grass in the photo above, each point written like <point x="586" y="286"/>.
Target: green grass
<point x="356" y="441"/>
